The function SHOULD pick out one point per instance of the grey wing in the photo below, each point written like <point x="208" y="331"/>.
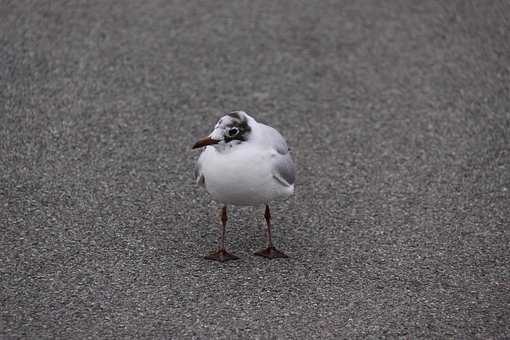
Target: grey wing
<point x="284" y="170"/>
<point x="280" y="145"/>
<point x="199" y="176"/>
<point x="276" y="140"/>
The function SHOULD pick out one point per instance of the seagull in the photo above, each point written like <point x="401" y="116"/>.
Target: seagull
<point x="244" y="163"/>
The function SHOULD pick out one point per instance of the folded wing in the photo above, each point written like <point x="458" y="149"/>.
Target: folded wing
<point x="199" y="176"/>
<point x="284" y="170"/>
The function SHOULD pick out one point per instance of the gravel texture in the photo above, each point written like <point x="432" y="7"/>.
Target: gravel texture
<point x="398" y="116"/>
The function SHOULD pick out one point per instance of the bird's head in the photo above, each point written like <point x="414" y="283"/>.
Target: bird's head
<point x="232" y="127"/>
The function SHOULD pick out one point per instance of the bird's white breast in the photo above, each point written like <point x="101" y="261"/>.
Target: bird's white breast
<point x="241" y="175"/>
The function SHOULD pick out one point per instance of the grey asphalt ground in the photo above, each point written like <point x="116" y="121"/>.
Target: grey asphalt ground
<point x="398" y="116"/>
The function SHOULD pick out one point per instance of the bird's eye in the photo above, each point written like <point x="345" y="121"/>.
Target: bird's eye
<point x="233" y="132"/>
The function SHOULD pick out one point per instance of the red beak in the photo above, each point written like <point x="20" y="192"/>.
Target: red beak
<point x="204" y="142"/>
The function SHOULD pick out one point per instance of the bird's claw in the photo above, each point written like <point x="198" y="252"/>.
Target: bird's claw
<point x="271" y="253"/>
<point x="221" y="255"/>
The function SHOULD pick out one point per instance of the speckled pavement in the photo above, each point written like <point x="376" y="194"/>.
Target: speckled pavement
<point x="398" y="116"/>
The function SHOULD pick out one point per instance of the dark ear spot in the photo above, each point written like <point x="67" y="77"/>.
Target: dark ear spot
<point x="235" y="115"/>
<point x="243" y="129"/>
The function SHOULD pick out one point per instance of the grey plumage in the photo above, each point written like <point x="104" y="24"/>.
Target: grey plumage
<point x="284" y="170"/>
<point x="199" y="177"/>
<point x="275" y="139"/>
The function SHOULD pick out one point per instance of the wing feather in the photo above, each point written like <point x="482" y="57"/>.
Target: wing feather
<point x="284" y="170"/>
<point x="199" y="176"/>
